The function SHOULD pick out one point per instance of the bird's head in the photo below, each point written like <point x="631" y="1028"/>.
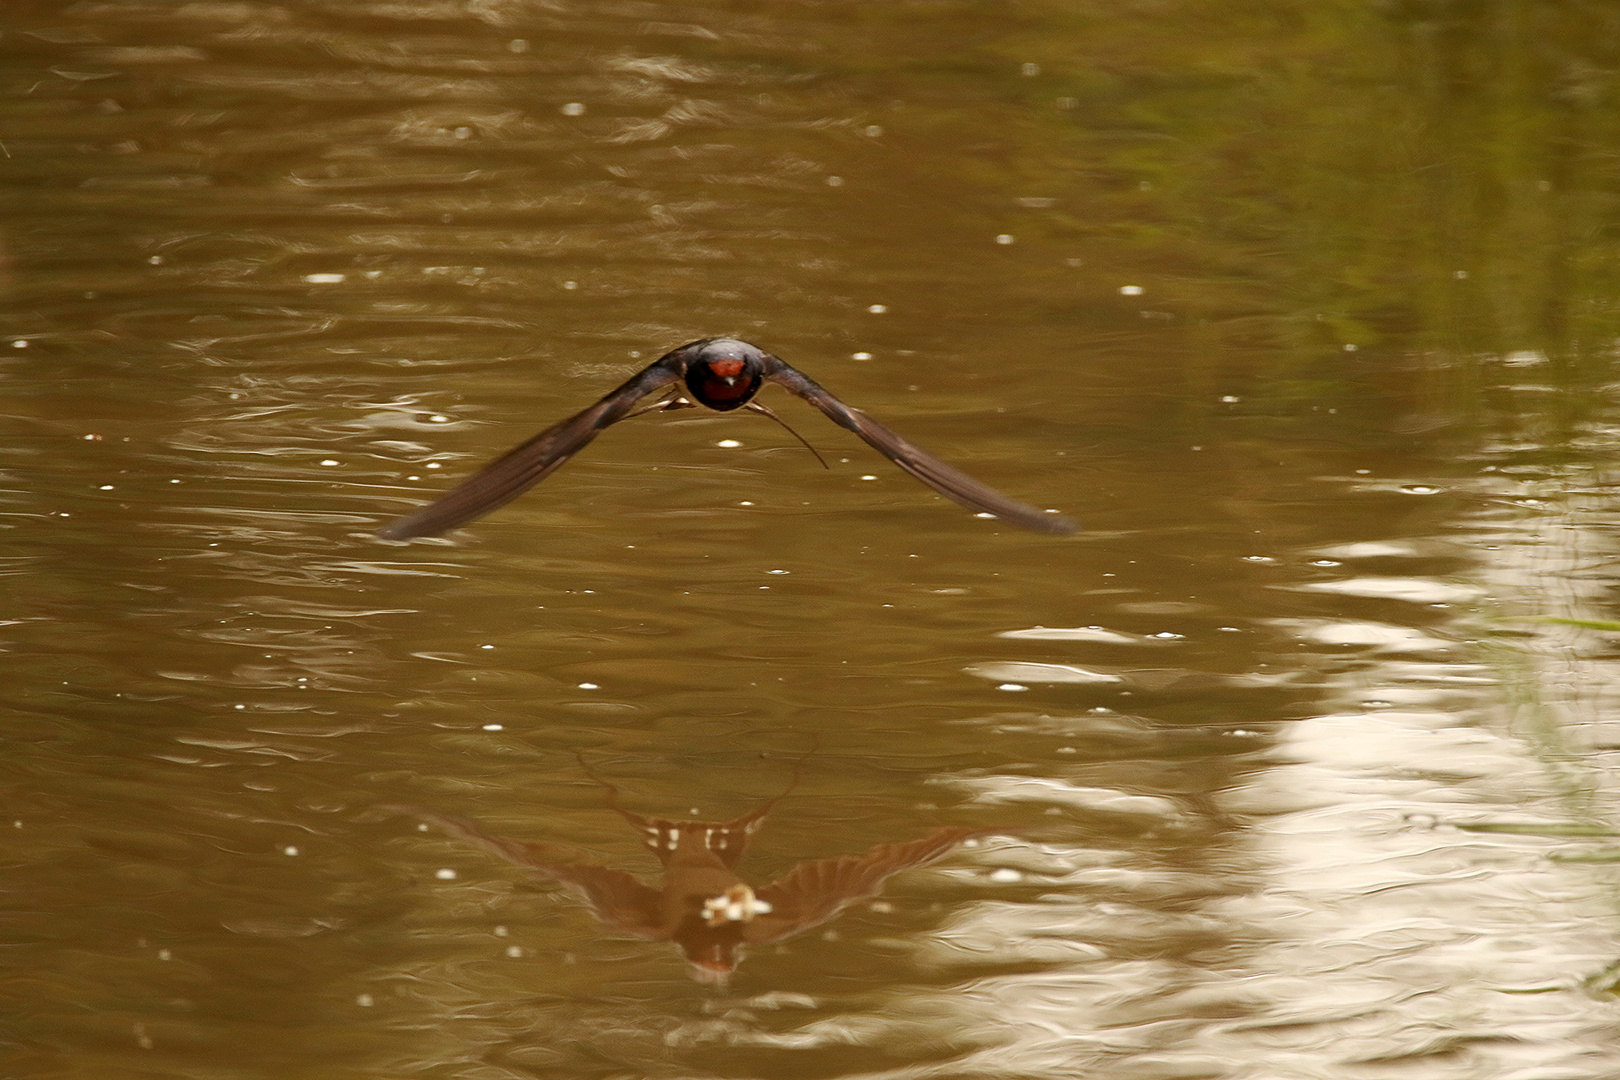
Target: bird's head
<point x="724" y="373"/>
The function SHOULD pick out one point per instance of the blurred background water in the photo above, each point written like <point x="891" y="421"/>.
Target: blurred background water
<point x="1306" y="311"/>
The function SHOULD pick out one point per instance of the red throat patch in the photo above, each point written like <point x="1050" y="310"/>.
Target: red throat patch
<point x="724" y="368"/>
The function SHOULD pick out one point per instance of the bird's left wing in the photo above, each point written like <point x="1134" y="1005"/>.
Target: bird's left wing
<point x="618" y="899"/>
<point x="948" y="480"/>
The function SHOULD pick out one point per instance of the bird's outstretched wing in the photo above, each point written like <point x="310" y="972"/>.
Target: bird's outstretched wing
<point x="813" y="892"/>
<point x="618" y="899"/>
<point x="525" y="465"/>
<point x="948" y="481"/>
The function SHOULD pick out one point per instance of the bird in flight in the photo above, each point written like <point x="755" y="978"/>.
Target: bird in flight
<point x="704" y="906"/>
<point x="723" y="374"/>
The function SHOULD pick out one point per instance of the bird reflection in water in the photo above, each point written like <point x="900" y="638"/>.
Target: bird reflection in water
<point x="703" y="905"/>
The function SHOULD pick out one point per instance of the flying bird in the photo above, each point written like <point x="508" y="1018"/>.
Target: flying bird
<point x="723" y="374"/>
<point x="703" y="905"/>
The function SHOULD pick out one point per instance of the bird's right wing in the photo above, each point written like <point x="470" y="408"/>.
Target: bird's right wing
<point x="525" y="465"/>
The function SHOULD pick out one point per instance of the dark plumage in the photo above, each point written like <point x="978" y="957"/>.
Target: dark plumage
<point x="723" y="374"/>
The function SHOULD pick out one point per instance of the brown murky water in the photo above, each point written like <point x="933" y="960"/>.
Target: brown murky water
<point x="1305" y="311"/>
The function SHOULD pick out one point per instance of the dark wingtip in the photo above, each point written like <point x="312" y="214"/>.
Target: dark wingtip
<point x="1050" y="522"/>
<point x="1058" y="525"/>
<point x="398" y="529"/>
<point x="417" y="523"/>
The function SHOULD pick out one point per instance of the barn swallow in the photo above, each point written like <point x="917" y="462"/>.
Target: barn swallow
<point x="703" y="905"/>
<point x="723" y="374"/>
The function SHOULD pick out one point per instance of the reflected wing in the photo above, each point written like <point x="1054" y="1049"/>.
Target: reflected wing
<point x="814" y="892"/>
<point x="618" y="899"/>
<point x="520" y="468"/>
<point x="948" y="481"/>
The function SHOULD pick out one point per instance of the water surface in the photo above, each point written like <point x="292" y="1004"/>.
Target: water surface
<point x="1305" y="311"/>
